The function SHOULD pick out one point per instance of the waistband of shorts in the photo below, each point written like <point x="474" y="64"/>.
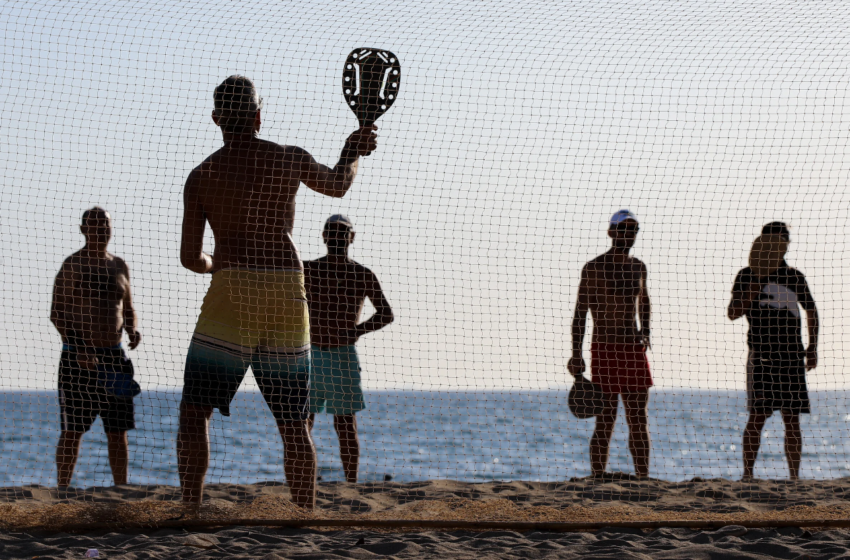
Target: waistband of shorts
<point x="261" y="270"/>
<point x="70" y="348"/>
<point x="345" y="348"/>
<point x="268" y="279"/>
<point x="616" y="346"/>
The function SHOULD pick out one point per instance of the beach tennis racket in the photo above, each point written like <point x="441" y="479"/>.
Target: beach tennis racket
<point x="585" y="398"/>
<point x="370" y="83"/>
<point x="767" y="254"/>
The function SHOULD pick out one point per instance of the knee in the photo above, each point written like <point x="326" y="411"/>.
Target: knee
<point x="66" y="436"/>
<point x="605" y="424"/>
<point x="116" y="438"/>
<point x="345" y="424"/>
<point x="192" y="415"/>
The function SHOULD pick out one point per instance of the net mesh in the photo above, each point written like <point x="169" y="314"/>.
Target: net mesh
<point x="517" y="133"/>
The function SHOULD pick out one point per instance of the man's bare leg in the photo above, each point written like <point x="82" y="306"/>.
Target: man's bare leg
<point x="299" y="462"/>
<point x="193" y="451"/>
<point x="793" y="442"/>
<point x="67" y="451"/>
<point x="601" y="440"/>
<point x="635" y="405"/>
<point x="752" y="442"/>
<point x="119" y="456"/>
<point x="349" y="446"/>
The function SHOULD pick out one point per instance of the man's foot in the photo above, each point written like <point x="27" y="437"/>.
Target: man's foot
<point x="191" y="510"/>
<point x="747" y="478"/>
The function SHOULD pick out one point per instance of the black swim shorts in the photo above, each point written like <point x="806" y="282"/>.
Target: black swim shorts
<point x="779" y="382"/>
<point x="83" y="395"/>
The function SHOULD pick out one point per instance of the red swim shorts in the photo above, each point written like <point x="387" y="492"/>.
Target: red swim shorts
<point x="620" y="368"/>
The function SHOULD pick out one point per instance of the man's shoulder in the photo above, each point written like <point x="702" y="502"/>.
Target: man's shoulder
<point x="746" y="271"/>
<point x="73" y="259"/>
<point x="119" y="263"/>
<point x="791" y="275"/>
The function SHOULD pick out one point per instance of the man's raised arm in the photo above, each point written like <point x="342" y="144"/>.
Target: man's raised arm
<point x="335" y="182"/>
<point x="576" y="364"/>
<point x="192" y="255"/>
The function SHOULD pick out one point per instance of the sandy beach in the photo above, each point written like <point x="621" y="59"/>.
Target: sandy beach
<point x="34" y="519"/>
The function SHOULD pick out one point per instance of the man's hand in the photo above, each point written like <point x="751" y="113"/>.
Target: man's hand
<point x="811" y="358"/>
<point x="362" y="142"/>
<point x="644" y="339"/>
<point x="135" y="338"/>
<point x="576" y="366"/>
<point x="87" y="360"/>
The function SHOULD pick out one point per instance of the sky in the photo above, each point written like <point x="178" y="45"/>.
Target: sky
<point x="519" y="129"/>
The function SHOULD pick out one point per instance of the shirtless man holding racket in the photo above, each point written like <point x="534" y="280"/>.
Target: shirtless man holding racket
<point x="613" y="289"/>
<point x="255" y="312"/>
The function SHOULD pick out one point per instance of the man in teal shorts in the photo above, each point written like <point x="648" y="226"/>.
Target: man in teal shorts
<point x="336" y="288"/>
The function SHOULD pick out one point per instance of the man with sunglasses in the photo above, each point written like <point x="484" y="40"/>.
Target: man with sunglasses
<point x="613" y="289"/>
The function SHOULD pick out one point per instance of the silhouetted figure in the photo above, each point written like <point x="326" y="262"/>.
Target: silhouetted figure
<point x="92" y="307"/>
<point x="613" y="289"/>
<point x="255" y="312"/>
<point x="337" y="287"/>
<point x="777" y="361"/>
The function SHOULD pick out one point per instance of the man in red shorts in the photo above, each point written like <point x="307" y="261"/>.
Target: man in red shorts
<point x="613" y="289"/>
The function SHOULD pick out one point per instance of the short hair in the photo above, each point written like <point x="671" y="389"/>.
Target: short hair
<point x="236" y="104"/>
<point x="777" y="228"/>
<point x="91" y="212"/>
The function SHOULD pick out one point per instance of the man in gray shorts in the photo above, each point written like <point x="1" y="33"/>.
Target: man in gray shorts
<point x="92" y="307"/>
<point x="337" y="287"/>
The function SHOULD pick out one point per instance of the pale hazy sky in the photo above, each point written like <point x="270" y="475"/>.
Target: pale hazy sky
<point x="519" y="129"/>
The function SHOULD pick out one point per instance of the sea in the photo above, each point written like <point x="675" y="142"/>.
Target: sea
<point x="409" y="436"/>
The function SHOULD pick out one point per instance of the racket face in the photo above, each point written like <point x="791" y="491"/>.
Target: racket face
<point x="370" y="83"/>
<point x="767" y="254"/>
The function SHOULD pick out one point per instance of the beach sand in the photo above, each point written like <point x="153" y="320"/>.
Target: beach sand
<point x="33" y="519"/>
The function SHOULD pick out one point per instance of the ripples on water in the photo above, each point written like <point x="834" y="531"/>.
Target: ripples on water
<point x="469" y="436"/>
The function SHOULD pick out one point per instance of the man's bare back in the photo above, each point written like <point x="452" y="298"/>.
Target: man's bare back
<point x="246" y="191"/>
<point x="337" y="290"/>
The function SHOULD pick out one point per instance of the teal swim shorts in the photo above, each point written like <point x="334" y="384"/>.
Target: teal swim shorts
<point x="335" y="381"/>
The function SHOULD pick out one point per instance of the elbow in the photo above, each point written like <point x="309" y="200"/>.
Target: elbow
<point x="339" y="192"/>
<point x="191" y="263"/>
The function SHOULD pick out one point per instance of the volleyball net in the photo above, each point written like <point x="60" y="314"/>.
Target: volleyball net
<point x="516" y="136"/>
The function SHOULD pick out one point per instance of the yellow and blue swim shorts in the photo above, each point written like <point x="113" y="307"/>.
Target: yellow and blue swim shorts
<point x="254" y="318"/>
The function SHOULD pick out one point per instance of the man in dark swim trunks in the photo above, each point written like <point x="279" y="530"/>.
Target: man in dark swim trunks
<point x="777" y="361"/>
<point x="337" y="287"/>
<point x="255" y="312"/>
<point x="92" y="307"/>
<point x="613" y="290"/>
